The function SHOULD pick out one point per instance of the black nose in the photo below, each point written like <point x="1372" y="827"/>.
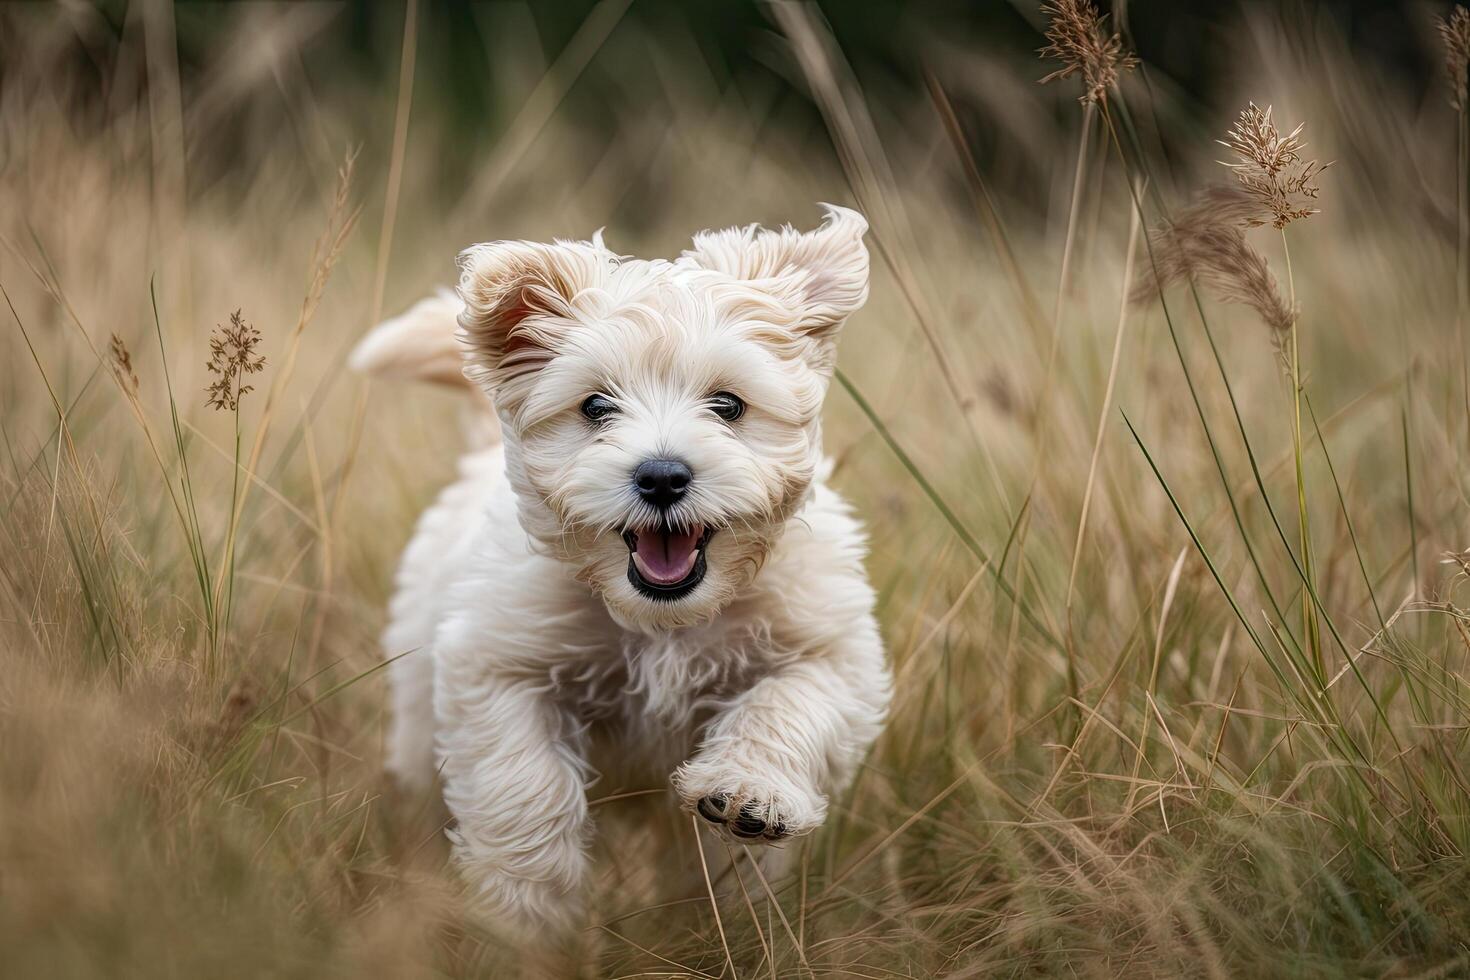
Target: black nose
<point x="661" y="482"/>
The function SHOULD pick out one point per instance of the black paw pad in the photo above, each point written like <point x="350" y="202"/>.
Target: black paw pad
<point x="712" y="808"/>
<point x="747" y="825"/>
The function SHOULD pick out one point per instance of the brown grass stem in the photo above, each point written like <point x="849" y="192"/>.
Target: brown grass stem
<point x="710" y="889"/>
<point x="1310" y="629"/>
<point x="1103" y="414"/>
<point x="341" y="220"/>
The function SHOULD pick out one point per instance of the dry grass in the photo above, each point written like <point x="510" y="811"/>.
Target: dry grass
<point x="1077" y="36"/>
<point x="1454" y="32"/>
<point x="1205" y="243"/>
<point x="1118" y="747"/>
<point x="1271" y="169"/>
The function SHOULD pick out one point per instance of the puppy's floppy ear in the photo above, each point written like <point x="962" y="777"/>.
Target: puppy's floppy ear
<point x="518" y="303"/>
<point x="822" y="274"/>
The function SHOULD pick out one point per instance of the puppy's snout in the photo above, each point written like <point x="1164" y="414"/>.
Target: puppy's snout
<point x="661" y="482"/>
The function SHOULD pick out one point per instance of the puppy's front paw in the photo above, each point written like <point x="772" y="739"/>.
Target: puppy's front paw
<point x="745" y="820"/>
<point x="748" y="806"/>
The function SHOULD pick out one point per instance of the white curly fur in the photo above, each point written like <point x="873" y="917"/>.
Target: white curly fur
<point x="536" y="664"/>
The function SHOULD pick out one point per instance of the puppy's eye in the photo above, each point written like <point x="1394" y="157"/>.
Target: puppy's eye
<point x="598" y="407"/>
<point x="727" y="406"/>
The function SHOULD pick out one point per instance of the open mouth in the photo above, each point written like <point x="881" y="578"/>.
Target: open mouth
<point x="666" y="563"/>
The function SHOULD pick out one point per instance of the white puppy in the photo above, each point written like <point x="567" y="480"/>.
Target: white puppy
<point x="648" y="574"/>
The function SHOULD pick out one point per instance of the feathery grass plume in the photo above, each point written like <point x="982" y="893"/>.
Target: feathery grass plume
<point x="1277" y="179"/>
<point x="1454" y="31"/>
<point x="1205" y="242"/>
<point x="1271" y="168"/>
<point x="232" y="356"/>
<point x="122" y="366"/>
<point x="1077" y="38"/>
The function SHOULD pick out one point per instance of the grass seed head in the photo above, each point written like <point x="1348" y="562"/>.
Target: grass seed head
<point x="1454" y="31"/>
<point x="1271" y="168"/>
<point x="232" y="356"/>
<point x="1077" y="38"/>
<point x="1206" y="242"/>
<point x="122" y="366"/>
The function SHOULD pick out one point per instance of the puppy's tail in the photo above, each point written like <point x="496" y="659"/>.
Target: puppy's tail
<point x="416" y="345"/>
<point x="420" y="344"/>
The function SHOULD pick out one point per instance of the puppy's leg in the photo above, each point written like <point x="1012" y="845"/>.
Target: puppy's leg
<point x="410" y="748"/>
<point x="441" y="546"/>
<point x="514" y="779"/>
<point x="767" y="763"/>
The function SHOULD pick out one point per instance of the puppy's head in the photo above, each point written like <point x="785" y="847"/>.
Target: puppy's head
<point x="662" y="419"/>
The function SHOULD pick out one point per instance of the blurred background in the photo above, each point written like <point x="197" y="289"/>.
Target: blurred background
<point x="1174" y="618"/>
<point x="481" y="60"/>
<point x="262" y="80"/>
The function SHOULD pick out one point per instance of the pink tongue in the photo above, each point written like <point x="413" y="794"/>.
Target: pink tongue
<point x="666" y="557"/>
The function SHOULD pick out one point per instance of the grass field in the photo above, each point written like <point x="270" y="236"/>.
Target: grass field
<point x="1140" y="728"/>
